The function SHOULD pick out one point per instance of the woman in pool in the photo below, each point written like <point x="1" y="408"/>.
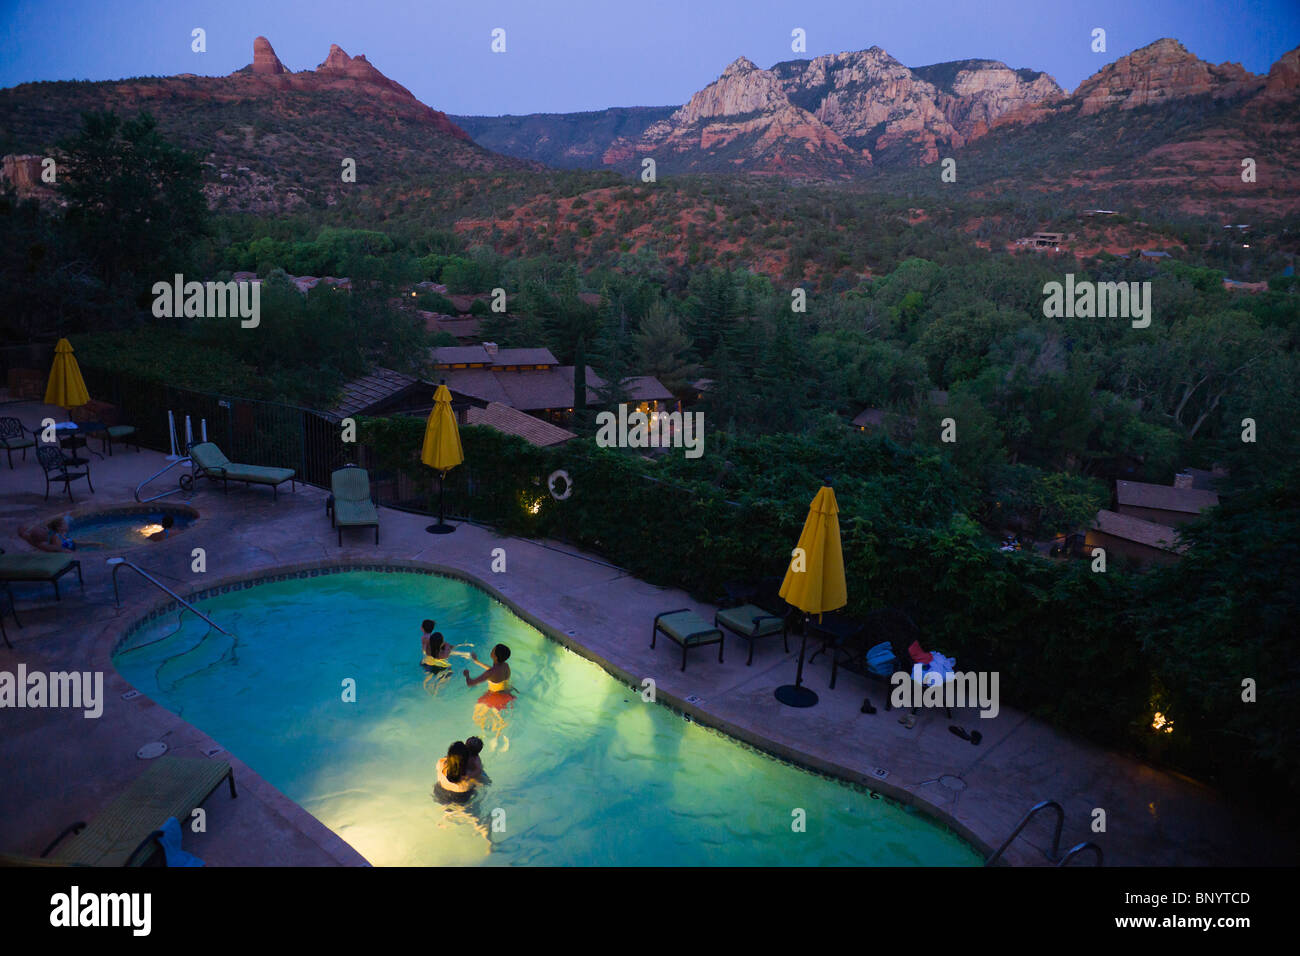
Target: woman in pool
<point x="489" y="710"/>
<point x="455" y="787"/>
<point x="437" y="657"/>
<point x="53" y="537"/>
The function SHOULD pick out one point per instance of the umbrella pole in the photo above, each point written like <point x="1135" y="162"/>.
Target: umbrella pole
<point x="796" y="695"/>
<point x="441" y="527"/>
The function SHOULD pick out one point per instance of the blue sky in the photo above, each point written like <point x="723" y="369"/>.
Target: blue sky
<point x="566" y="55"/>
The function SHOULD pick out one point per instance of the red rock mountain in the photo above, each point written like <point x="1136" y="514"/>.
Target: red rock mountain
<point x="835" y="114"/>
<point x="1159" y="72"/>
<point x="341" y="73"/>
<point x="271" y="138"/>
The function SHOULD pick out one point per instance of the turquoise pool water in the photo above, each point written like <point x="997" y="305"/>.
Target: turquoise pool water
<point x="117" y="530"/>
<point x="583" y="773"/>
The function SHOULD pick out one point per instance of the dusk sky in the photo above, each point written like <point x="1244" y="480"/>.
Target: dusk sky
<point x="568" y="55"/>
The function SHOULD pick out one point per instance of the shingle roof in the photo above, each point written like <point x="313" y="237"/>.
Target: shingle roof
<point x="524" y="357"/>
<point x="874" y="417"/>
<point x="369" y="390"/>
<point x="1140" y="494"/>
<point x="647" y="388"/>
<point x="461" y="355"/>
<point x="1136" y="529"/>
<point x="514" y="422"/>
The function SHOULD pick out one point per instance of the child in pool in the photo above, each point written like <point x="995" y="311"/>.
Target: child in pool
<point x="167" y="522"/>
<point x="474" y="765"/>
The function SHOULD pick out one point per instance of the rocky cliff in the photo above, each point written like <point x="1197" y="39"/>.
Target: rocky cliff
<point x="834" y="114"/>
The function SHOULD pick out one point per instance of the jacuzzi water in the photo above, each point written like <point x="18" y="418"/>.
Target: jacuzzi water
<point x="584" y="772"/>
<point x="116" y="530"/>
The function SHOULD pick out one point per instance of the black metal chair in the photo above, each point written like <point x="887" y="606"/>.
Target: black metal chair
<point x="55" y="467"/>
<point x="13" y="437"/>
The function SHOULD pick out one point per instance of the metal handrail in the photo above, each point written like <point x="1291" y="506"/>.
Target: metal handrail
<point x="170" y="466"/>
<point x="119" y="563"/>
<point x="1075" y="850"/>
<point x="1054" y="854"/>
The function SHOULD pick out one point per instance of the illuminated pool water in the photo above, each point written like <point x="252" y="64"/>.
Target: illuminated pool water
<point x="119" y="529"/>
<point x="592" y="774"/>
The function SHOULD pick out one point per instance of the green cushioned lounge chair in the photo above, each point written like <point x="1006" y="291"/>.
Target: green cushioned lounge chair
<point x="122" y="434"/>
<point x="752" y="622"/>
<point x="37" y="567"/>
<point x="688" y="629"/>
<point x="125" y="832"/>
<point x="210" y="463"/>
<point x="14" y="437"/>
<point x="352" y="505"/>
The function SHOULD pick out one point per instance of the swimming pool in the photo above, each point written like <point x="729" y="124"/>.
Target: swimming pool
<point x="584" y="773"/>
<point x="116" y="529"/>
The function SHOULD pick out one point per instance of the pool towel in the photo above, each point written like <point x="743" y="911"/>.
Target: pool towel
<point x="171" y="843"/>
<point x="918" y="654"/>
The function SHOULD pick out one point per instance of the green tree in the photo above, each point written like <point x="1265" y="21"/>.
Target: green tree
<point x="134" y="200"/>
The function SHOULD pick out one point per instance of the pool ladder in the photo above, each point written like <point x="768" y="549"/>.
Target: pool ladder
<point x="119" y="563"/>
<point x="186" y="482"/>
<point x="1054" y="854"/>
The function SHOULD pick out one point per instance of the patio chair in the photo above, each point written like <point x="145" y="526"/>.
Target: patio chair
<point x="56" y="469"/>
<point x="14" y="437"/>
<point x="37" y="567"/>
<point x="688" y="630"/>
<point x="763" y="614"/>
<point x="889" y="625"/>
<point x="126" y="832"/>
<point x="352" y="504"/>
<point x="211" y="464"/>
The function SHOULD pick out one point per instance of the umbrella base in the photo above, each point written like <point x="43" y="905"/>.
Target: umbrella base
<point x="440" y="529"/>
<point x="793" y="695"/>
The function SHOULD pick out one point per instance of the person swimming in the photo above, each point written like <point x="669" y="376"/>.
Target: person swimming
<point x="497" y="674"/>
<point x="455" y="785"/>
<point x="474" y="767"/>
<point x="54" y="537"/>
<point x="489" y="710"/>
<point x="454" y="779"/>
<point x="437" y="656"/>
<point x="167" y="522"/>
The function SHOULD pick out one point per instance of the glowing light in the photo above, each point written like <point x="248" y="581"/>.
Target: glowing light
<point x="150" y="529"/>
<point x="1161" y="722"/>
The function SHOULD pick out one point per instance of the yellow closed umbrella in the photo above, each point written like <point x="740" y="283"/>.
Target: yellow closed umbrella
<point x="441" y="451"/>
<point x="814" y="581"/>
<point x="66" y="387"/>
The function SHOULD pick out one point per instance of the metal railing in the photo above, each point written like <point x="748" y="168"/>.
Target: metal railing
<point x="186" y="482"/>
<point x="119" y="563"/>
<point x="1054" y="854"/>
<point x="1079" y="848"/>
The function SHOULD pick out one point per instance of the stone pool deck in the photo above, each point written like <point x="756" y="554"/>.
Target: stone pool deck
<point x="61" y="767"/>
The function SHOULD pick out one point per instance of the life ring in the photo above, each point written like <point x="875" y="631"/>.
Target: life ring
<point x="558" y="476"/>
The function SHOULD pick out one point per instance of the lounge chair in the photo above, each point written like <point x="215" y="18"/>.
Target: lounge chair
<point x="126" y="832"/>
<point x="688" y="629"/>
<point x="55" y="467"/>
<point x="210" y="463"/>
<point x="37" y="567"/>
<point x="752" y="622"/>
<point x="14" y="437"/>
<point x="352" y="505"/>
